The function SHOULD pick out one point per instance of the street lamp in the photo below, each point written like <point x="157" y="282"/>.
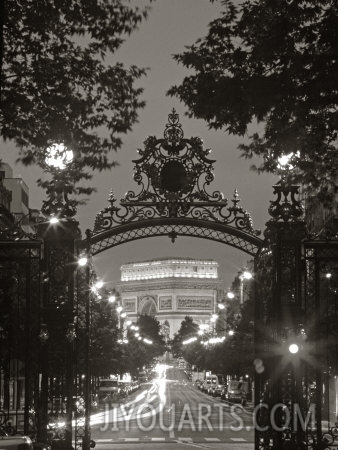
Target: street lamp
<point x="53" y="220"/>
<point x="58" y="290"/>
<point x="99" y="284"/>
<point x="293" y="348"/>
<point x="112" y="299"/>
<point x="244" y="275"/>
<point x="82" y="261"/>
<point x="57" y="158"/>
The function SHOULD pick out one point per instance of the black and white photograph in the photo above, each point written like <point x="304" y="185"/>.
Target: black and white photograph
<point x="169" y="224"/>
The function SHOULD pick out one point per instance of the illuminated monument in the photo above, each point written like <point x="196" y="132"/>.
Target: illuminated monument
<point x="170" y="289"/>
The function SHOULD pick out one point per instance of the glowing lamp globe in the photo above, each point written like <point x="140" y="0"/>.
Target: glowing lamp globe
<point x="247" y="275"/>
<point x="58" y="156"/>
<point x="293" y="348"/>
<point x="82" y="261"/>
<point x="99" y="284"/>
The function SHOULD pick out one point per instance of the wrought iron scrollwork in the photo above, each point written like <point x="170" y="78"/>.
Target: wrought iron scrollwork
<point x="58" y="204"/>
<point x="286" y="208"/>
<point x="13" y="230"/>
<point x="173" y="174"/>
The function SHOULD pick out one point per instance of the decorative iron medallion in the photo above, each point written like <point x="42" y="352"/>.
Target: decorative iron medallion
<point x="173" y="173"/>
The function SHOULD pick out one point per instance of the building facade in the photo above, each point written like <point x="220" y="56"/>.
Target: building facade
<point x="170" y="289"/>
<point x="14" y="200"/>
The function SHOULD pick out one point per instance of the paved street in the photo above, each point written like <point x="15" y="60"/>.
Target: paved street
<point x="170" y="410"/>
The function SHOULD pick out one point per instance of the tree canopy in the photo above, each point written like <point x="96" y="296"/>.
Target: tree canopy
<point x="61" y="82"/>
<point x="233" y="356"/>
<point x="271" y="62"/>
<point x="187" y="329"/>
<point x="138" y="353"/>
<point x="105" y="352"/>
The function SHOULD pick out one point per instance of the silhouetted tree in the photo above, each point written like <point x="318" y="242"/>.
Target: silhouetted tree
<point x="187" y="329"/>
<point x="58" y="85"/>
<point x="273" y="62"/>
<point x="138" y="353"/>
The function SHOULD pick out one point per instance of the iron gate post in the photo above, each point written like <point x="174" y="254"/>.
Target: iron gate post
<point x="58" y="314"/>
<point x="87" y="386"/>
<point x="284" y="235"/>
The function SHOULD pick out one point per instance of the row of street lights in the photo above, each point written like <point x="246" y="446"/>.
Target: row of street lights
<point x="113" y="299"/>
<point x="204" y="328"/>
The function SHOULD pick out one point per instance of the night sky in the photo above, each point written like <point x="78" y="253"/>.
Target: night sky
<point x="171" y="25"/>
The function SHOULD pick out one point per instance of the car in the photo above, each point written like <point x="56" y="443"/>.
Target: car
<point x="212" y="381"/>
<point x="209" y="381"/>
<point x="217" y="384"/>
<point x="236" y="392"/>
<point x="198" y="383"/>
<point x="204" y="386"/>
<point x="16" y="442"/>
<point x="218" y="389"/>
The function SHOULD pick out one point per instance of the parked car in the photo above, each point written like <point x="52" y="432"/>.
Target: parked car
<point x="204" y="386"/>
<point x="218" y="389"/>
<point x="218" y="382"/>
<point x="198" y="384"/>
<point x="16" y="442"/>
<point x="236" y="392"/>
<point x="209" y="381"/>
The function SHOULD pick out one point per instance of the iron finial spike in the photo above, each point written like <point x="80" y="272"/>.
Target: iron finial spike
<point x="111" y="197"/>
<point x="235" y="198"/>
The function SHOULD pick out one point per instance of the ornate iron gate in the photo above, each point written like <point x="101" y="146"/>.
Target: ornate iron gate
<point x="296" y="298"/>
<point x="296" y="331"/>
<point x="20" y="363"/>
<point x="173" y="174"/>
<point x="321" y="302"/>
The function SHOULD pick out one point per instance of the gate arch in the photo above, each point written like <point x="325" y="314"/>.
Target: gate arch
<point x="173" y="174"/>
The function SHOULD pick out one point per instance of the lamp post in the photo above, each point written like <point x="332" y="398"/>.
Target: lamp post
<point x="59" y="233"/>
<point x="58" y="205"/>
<point x="284" y="234"/>
<point x="244" y="275"/>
